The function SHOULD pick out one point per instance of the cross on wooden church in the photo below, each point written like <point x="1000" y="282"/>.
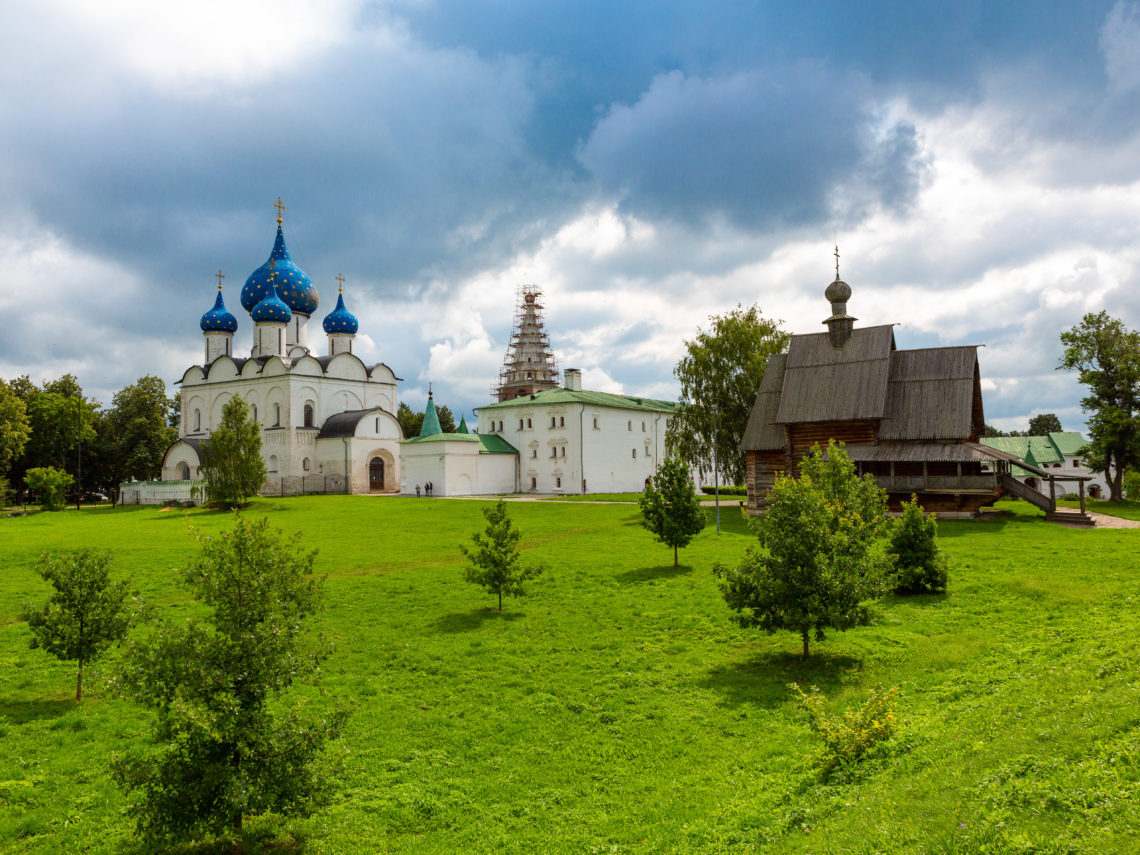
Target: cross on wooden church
<point x="837" y="262"/>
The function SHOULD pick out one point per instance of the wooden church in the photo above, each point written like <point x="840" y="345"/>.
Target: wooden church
<point x="911" y="418"/>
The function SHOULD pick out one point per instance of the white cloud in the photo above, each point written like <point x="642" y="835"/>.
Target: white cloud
<point x="1120" y="44"/>
<point x="186" y="45"/>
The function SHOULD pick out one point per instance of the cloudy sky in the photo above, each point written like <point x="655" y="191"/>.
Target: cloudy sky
<point x="647" y="164"/>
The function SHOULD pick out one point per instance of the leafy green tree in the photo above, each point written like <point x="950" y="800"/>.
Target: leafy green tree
<point x="14" y="429"/>
<point x="59" y="417"/>
<point x="230" y="743"/>
<point x="86" y="614"/>
<point x="50" y="485"/>
<point x="1044" y="424"/>
<point x="495" y="561"/>
<point x="818" y="569"/>
<point x="1106" y="355"/>
<point x="410" y="421"/>
<point x="670" y="507"/>
<point x="137" y="430"/>
<point x="231" y="459"/>
<point x="446" y="418"/>
<point x="919" y="562"/>
<point x="721" y="369"/>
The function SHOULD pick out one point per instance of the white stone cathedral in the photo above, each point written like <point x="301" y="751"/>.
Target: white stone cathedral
<point x="323" y="419"/>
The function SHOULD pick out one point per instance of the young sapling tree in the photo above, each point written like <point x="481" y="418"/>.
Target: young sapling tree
<point x="84" y="616"/>
<point x="670" y="507"/>
<point x="819" y="568"/>
<point x="230" y="745"/>
<point x="495" y="560"/>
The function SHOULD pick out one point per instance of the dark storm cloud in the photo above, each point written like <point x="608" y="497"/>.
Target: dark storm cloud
<point x="763" y="148"/>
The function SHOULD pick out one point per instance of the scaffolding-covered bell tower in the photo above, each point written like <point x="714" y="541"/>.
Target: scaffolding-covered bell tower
<point x="529" y="365"/>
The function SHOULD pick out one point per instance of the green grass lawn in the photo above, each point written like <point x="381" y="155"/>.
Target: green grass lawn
<point x="617" y="709"/>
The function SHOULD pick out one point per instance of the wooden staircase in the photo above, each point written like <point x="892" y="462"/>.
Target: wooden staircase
<point x="1064" y="516"/>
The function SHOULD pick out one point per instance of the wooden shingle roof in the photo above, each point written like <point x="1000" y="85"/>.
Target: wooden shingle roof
<point x="931" y="394"/>
<point x="823" y="383"/>
<point x="925" y="395"/>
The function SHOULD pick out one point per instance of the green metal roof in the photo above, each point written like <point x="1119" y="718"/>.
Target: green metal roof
<point x="1042" y="449"/>
<point x="431" y="419"/>
<point x="489" y="443"/>
<point x="597" y="399"/>
<point x="441" y="437"/>
<point x="1068" y="442"/>
<point x="494" y="444"/>
<point x="462" y="426"/>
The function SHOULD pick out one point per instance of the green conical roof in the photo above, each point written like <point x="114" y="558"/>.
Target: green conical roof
<point x="430" y="426"/>
<point x="1029" y="458"/>
<point x="462" y="426"/>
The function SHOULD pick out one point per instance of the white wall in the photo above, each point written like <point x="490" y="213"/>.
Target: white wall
<point x="603" y="455"/>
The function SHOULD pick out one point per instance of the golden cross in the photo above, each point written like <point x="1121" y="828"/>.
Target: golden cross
<point x="836" y="262"/>
<point x="340" y="282"/>
<point x="220" y="276"/>
<point x="280" y="206"/>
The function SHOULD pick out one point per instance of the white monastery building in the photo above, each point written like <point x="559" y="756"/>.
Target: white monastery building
<point x="539" y="437"/>
<point x="575" y="441"/>
<point x="323" y="417"/>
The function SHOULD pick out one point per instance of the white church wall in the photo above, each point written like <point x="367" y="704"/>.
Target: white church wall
<point x="495" y="473"/>
<point x="612" y="449"/>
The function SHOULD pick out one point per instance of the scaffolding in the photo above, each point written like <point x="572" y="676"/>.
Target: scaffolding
<point x="529" y="365"/>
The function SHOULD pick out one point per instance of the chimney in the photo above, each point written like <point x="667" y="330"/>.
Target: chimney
<point x="573" y="380"/>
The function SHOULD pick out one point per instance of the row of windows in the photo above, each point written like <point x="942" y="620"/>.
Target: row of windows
<point x="308" y="416"/>
<point x="559" y="422"/>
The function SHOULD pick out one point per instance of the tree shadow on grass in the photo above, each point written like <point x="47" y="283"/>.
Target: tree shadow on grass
<point x="990" y="525"/>
<point x="468" y="621"/>
<point x="763" y="680"/>
<point x="648" y="574"/>
<point x="22" y="712"/>
<point x="261" y="842"/>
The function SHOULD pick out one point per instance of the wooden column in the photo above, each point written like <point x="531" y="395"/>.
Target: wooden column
<point x="1081" y="490"/>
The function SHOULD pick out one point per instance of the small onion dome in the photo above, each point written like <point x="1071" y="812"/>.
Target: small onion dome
<point x="218" y="319"/>
<point x="293" y="286"/>
<point x="838" y="291"/>
<point x="271" y="309"/>
<point x="340" y="319"/>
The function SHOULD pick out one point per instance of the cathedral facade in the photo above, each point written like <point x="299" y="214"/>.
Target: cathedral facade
<point x="327" y="421"/>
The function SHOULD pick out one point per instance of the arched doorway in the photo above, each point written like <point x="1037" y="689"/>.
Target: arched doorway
<point x="183" y="471"/>
<point x="375" y="475"/>
<point x="1031" y="483"/>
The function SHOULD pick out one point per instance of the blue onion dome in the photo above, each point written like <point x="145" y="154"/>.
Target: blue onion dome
<point x="219" y="319"/>
<point x="340" y="319"/>
<point x="293" y="286"/>
<point x="271" y="309"/>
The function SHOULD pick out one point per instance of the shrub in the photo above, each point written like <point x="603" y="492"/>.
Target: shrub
<point x="848" y="737"/>
<point x="1132" y="485"/>
<point x="49" y="484"/>
<point x="919" y="561"/>
<point x="725" y="490"/>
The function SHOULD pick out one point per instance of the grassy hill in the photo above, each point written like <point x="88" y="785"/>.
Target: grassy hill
<point x="617" y="709"/>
